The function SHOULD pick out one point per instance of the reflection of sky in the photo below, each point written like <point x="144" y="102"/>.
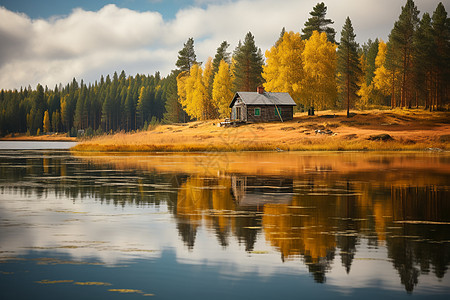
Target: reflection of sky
<point x="87" y="230"/>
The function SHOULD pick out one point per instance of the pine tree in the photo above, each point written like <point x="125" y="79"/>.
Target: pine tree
<point x="317" y="22"/>
<point x="441" y="61"/>
<point x="423" y="56"/>
<point x="280" y="39"/>
<point x="222" y="93"/>
<point x="401" y="39"/>
<point x="186" y="56"/>
<point x="248" y="63"/>
<point x="348" y="64"/>
<point x="221" y="54"/>
<point x="372" y="51"/>
<point x="174" y="112"/>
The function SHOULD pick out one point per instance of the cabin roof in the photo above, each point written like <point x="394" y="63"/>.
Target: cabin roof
<point x="255" y="98"/>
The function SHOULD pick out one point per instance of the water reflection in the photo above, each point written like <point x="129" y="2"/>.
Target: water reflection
<point x="314" y="209"/>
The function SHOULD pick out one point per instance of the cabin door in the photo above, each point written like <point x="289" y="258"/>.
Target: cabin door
<point x="238" y="113"/>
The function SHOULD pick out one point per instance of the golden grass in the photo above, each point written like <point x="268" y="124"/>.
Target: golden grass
<point x="410" y="129"/>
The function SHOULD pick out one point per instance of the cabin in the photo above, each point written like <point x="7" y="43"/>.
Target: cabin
<point x="261" y="106"/>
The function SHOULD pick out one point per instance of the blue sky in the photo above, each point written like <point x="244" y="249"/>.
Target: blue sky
<point x="51" y="42"/>
<point x="48" y="8"/>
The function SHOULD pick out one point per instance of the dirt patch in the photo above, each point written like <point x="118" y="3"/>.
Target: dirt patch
<point x="350" y="136"/>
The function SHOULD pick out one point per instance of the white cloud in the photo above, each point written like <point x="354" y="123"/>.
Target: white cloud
<point x="87" y="44"/>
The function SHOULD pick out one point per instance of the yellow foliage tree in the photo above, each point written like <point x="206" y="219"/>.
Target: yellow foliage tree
<point x="283" y="71"/>
<point x="319" y="64"/>
<point x="222" y="93"/>
<point x="47" y="126"/>
<point x="192" y="93"/>
<point x="208" y="77"/>
<point x="383" y="77"/>
<point x="365" y="90"/>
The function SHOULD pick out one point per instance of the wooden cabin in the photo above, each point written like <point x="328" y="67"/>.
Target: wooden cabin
<point x="261" y="106"/>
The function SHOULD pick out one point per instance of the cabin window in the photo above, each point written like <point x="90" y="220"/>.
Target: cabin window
<point x="277" y="111"/>
<point x="257" y="111"/>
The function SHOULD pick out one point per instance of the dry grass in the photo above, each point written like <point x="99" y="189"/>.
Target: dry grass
<point x="410" y="130"/>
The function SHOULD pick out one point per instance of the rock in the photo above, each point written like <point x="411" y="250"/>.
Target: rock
<point x="381" y="137"/>
<point x="327" y="131"/>
<point x="287" y="128"/>
<point x="444" y="138"/>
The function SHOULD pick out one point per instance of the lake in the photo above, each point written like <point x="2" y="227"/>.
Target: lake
<point x="224" y="225"/>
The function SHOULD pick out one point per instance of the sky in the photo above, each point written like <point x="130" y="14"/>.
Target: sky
<point x="53" y="41"/>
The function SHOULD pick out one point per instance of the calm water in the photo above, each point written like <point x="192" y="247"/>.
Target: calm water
<point x="224" y="226"/>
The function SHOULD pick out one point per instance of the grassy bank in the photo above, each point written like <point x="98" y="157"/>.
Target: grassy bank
<point x="328" y="131"/>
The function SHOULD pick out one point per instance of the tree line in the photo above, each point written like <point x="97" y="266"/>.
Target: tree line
<point x="411" y="69"/>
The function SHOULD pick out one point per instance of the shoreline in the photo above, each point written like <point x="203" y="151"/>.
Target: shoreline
<point x="40" y="138"/>
<point x="393" y="130"/>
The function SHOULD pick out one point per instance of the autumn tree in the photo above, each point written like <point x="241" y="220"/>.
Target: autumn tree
<point x="348" y="64"/>
<point x="283" y="71"/>
<point x="208" y="78"/>
<point x="47" y="127"/>
<point x="319" y="64"/>
<point x="318" y="22"/>
<point x="192" y="93"/>
<point x="222" y="93"/>
<point x="248" y="63"/>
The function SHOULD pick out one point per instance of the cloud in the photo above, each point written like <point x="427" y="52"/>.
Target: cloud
<point x="87" y="44"/>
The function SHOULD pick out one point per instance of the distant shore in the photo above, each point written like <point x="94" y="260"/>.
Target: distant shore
<point x="41" y="138"/>
<point x="374" y="130"/>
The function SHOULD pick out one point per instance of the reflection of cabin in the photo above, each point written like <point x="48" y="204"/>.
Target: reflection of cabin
<point x="256" y="191"/>
<point x="262" y="106"/>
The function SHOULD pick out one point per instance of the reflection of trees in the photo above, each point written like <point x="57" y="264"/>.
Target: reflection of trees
<point x="310" y="216"/>
<point x="412" y="247"/>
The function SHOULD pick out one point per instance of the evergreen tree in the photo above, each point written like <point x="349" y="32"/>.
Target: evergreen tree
<point x="372" y="51"/>
<point x="280" y="39"/>
<point x="348" y="64"/>
<point x="401" y="39"/>
<point x="173" y="110"/>
<point x="186" y="56"/>
<point x="317" y="22"/>
<point x="248" y="64"/>
<point x="423" y="56"/>
<point x="221" y="54"/>
<point x="441" y="61"/>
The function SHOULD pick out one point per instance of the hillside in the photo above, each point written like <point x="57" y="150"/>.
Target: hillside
<point x="327" y="131"/>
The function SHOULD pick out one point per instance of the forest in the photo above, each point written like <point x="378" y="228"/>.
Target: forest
<point x="409" y="70"/>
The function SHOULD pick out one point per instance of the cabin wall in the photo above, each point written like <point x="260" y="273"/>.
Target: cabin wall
<point x="267" y="113"/>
